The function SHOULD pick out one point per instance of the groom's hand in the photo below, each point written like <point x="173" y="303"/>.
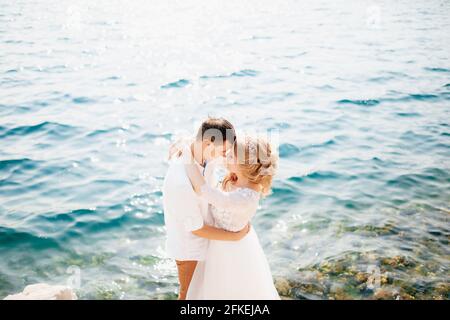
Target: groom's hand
<point x="241" y="234"/>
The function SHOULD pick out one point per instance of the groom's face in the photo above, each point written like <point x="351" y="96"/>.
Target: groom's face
<point x="215" y="150"/>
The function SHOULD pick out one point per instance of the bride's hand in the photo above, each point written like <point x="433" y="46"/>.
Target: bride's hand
<point x="242" y="233"/>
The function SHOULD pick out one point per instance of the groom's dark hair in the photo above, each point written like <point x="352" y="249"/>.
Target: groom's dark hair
<point x="212" y="127"/>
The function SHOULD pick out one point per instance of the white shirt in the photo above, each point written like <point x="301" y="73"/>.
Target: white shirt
<point x="184" y="210"/>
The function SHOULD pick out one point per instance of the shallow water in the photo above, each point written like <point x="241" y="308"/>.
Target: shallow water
<point x="91" y="94"/>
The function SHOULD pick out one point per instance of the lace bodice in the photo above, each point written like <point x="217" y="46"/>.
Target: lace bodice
<point x="231" y="210"/>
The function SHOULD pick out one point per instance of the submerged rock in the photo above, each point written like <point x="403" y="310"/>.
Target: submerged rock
<point x="283" y="287"/>
<point x="398" y="262"/>
<point x="339" y="293"/>
<point x="361" y="277"/>
<point x="443" y="289"/>
<point x="43" y="291"/>
<point x="385" y="294"/>
<point x="370" y="275"/>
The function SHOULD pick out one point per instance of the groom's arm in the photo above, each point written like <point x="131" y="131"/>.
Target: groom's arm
<point x="194" y="175"/>
<point x="213" y="233"/>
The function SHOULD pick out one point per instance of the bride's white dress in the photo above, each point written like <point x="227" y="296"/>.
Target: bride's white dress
<point x="233" y="269"/>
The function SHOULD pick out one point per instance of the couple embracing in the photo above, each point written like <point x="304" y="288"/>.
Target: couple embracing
<point x="217" y="252"/>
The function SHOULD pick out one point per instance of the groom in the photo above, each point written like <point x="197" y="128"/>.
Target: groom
<point x="186" y="216"/>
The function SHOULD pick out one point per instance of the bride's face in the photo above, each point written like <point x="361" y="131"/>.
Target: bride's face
<point x="231" y="162"/>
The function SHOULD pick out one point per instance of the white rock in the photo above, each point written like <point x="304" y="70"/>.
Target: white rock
<point x="43" y="291"/>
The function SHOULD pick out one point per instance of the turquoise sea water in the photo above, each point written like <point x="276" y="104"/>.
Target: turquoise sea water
<point x="92" y="93"/>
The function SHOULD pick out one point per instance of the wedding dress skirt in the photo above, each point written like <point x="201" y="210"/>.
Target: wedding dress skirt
<point x="233" y="270"/>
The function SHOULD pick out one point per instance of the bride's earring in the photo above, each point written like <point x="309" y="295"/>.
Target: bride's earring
<point x="234" y="177"/>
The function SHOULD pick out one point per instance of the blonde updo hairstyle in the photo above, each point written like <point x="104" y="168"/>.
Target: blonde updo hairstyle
<point x="257" y="162"/>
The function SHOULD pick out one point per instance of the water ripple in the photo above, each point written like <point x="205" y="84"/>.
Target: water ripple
<point x="50" y="129"/>
<point x="177" y="84"/>
<point x="239" y="74"/>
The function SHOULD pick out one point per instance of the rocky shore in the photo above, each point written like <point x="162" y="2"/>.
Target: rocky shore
<point x="364" y="276"/>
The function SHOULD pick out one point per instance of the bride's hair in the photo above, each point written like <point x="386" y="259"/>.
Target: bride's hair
<point x="257" y="162"/>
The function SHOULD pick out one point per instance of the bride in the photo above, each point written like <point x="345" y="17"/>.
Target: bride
<point x="236" y="270"/>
